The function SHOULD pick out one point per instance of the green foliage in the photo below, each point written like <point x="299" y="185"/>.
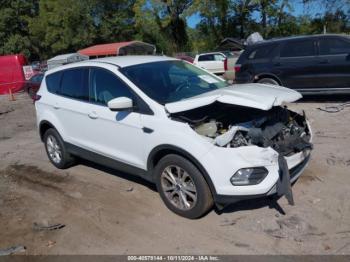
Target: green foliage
<point x="44" y="28"/>
<point x="62" y="26"/>
<point x="115" y="20"/>
<point x="163" y="20"/>
<point x="14" y="33"/>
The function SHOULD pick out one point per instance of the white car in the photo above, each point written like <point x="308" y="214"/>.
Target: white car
<point x="213" y="62"/>
<point x="198" y="139"/>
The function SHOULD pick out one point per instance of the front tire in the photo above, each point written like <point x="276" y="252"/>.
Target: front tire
<point x="56" y="150"/>
<point x="182" y="187"/>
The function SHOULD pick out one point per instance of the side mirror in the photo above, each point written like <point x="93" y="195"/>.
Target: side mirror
<point x="120" y="104"/>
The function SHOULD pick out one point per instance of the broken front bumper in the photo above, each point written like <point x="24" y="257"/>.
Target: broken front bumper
<point x="296" y="168"/>
<point x="222" y="163"/>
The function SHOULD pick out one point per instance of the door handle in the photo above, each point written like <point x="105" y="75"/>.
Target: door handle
<point x="277" y="64"/>
<point x="56" y="106"/>
<point x="93" y="115"/>
<point x="147" y="130"/>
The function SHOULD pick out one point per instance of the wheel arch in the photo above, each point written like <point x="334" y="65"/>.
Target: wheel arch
<point x="43" y="127"/>
<point x="267" y="75"/>
<point x="163" y="150"/>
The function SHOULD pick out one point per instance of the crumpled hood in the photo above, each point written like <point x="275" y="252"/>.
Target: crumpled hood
<point x="253" y="95"/>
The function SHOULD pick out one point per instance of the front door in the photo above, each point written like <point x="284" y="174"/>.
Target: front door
<point x="114" y="134"/>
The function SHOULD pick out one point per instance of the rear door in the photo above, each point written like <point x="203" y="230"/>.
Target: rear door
<point x="219" y="66"/>
<point x="297" y="63"/>
<point x="206" y="61"/>
<point x="334" y="62"/>
<point x="212" y="62"/>
<point x="71" y="103"/>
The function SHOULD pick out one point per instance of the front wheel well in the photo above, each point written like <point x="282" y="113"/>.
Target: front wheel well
<point x="158" y="153"/>
<point x="157" y="156"/>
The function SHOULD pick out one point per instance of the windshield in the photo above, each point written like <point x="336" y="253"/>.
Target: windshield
<point x="171" y="81"/>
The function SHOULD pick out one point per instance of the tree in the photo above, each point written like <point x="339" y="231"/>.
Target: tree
<point x="265" y="7"/>
<point x="243" y="10"/>
<point x="336" y="22"/>
<point x="279" y="21"/>
<point x="62" y="26"/>
<point x="215" y="16"/>
<point x="44" y="28"/>
<point x="114" y="20"/>
<point x="167" y="18"/>
<point x="218" y="21"/>
<point x="14" y="31"/>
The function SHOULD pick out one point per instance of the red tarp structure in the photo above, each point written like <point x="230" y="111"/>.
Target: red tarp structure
<point x="11" y="73"/>
<point x="120" y="48"/>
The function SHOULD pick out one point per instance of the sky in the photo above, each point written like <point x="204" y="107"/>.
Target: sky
<point x="298" y="9"/>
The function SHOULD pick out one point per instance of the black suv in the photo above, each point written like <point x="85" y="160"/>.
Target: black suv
<point x="310" y="64"/>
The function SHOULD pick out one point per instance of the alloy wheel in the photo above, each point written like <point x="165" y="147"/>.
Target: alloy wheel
<point x="54" y="149"/>
<point x="179" y="187"/>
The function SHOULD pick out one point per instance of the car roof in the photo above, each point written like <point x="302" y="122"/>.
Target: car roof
<point x="119" y="61"/>
<point x="289" y="38"/>
<point x="210" y="53"/>
<point x="123" y="61"/>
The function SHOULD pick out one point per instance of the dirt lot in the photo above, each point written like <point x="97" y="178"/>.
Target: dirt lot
<point x="107" y="212"/>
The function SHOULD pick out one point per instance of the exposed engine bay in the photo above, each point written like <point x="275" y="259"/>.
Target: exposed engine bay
<point x="235" y="126"/>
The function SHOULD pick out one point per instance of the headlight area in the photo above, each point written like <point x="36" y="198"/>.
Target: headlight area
<point x="249" y="176"/>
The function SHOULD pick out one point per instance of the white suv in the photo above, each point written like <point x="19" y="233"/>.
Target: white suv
<point x="198" y="139"/>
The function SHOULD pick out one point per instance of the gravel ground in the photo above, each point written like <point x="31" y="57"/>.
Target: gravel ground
<point x="108" y="212"/>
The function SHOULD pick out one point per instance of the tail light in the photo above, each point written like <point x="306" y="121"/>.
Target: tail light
<point x="35" y="98"/>
<point x="225" y="64"/>
<point x="237" y="68"/>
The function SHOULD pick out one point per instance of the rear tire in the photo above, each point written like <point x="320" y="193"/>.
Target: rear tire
<point x="268" y="81"/>
<point x="182" y="187"/>
<point x="56" y="150"/>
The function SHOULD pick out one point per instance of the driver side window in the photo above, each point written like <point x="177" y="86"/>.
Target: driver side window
<point x="180" y="77"/>
<point x="177" y="75"/>
<point x="105" y="86"/>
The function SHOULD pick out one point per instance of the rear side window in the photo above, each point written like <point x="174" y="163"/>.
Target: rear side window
<point x="53" y="82"/>
<point x="219" y="57"/>
<point x="261" y="52"/>
<point x="298" y="48"/>
<point x="74" y="83"/>
<point x="105" y="86"/>
<point x="334" y="46"/>
<point x="206" y="58"/>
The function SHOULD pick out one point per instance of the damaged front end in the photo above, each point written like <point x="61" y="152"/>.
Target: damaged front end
<point x="232" y="126"/>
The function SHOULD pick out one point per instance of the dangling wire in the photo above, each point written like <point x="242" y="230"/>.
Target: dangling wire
<point x="334" y="109"/>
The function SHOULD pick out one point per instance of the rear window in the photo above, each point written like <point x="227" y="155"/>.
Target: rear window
<point x="298" y="48"/>
<point x="74" y="83"/>
<point x="206" y="58"/>
<point x="334" y="46"/>
<point x="219" y="57"/>
<point x="261" y="52"/>
<point x="53" y="82"/>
